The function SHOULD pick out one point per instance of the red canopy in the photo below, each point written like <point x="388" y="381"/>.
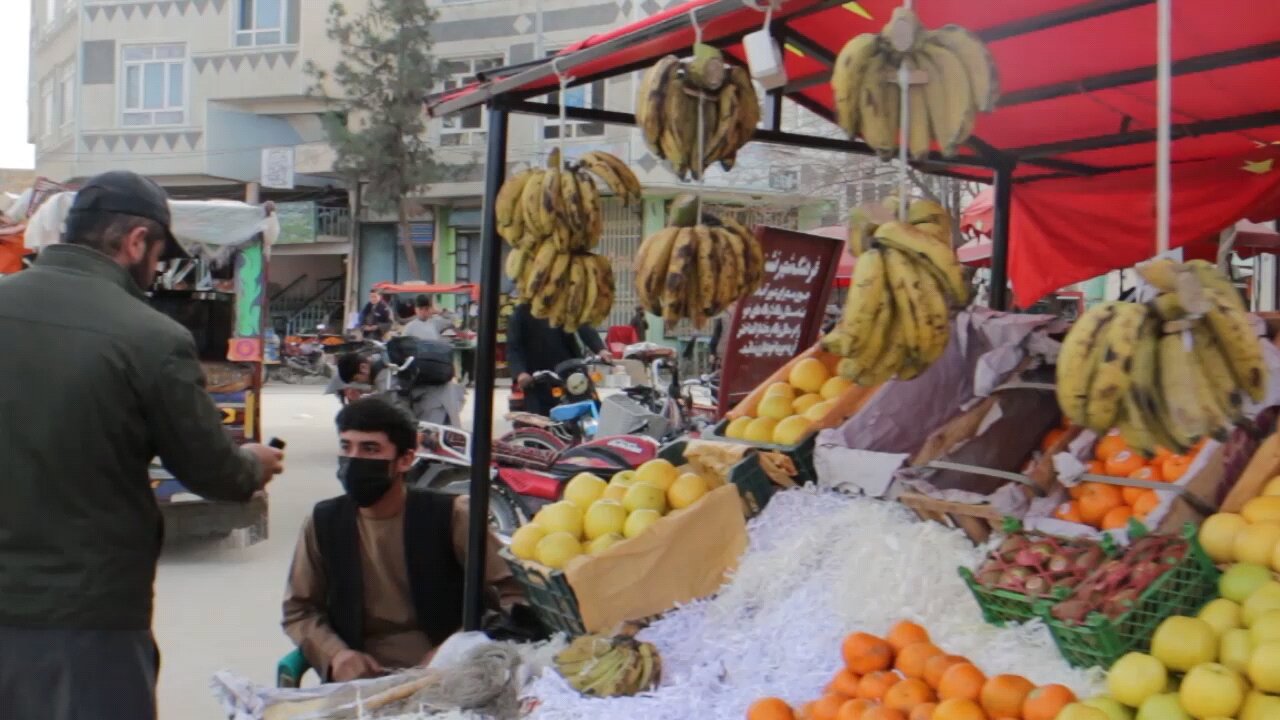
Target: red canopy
<point x="978" y="216"/>
<point x="1077" y="99"/>
<point x="430" y="289"/>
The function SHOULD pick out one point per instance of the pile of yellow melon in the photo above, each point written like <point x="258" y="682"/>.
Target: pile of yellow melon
<point x="1252" y="536"/>
<point x="594" y="515"/>
<point x="789" y="411"/>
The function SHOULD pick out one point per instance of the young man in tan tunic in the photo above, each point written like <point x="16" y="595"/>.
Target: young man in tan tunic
<point x="376" y="581"/>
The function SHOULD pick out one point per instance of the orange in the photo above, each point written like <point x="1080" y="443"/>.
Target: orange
<point x="1045" y="702"/>
<point x="1069" y="511"/>
<point x="960" y="682"/>
<point x="883" y="713"/>
<point x="904" y="633"/>
<point x="873" y="686"/>
<point x="1097" y="467"/>
<point x="844" y="683"/>
<point x="1161" y="453"/>
<point x="923" y="712"/>
<point x="864" y="653"/>
<point x="1123" y="463"/>
<point x="1002" y="695"/>
<point x="1174" y="467"/>
<point x="1145" y="503"/>
<point x="958" y="709"/>
<point x="1098" y="499"/>
<point x="1131" y="495"/>
<point x="854" y="709"/>
<point x="1117" y="517"/>
<point x="1109" y="445"/>
<point x="805" y="712"/>
<point x="912" y="658"/>
<point x="827" y="706"/>
<point x="1150" y="473"/>
<point x="938" y="664"/>
<point x="907" y="694"/>
<point x="1051" y="437"/>
<point x="770" y="708"/>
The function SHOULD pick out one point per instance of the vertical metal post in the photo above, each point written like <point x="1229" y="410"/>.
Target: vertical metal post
<point x="773" y="110"/>
<point x="1003" y="201"/>
<point x="486" y="360"/>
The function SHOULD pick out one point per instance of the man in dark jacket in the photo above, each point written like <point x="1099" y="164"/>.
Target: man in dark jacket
<point x="377" y="576"/>
<point x="533" y="345"/>
<point x="103" y="383"/>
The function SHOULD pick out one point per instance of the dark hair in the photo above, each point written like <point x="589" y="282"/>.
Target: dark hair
<point x="106" y="231"/>
<point x="376" y="415"/>
<point x="348" y="365"/>
<point x="422" y="301"/>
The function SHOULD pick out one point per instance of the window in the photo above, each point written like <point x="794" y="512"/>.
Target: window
<point x="462" y="242"/>
<point x="47" y="123"/>
<point x="259" y="22"/>
<point x="590" y="95"/>
<point x="466" y="127"/>
<point x="154" y="84"/>
<point x="67" y="96"/>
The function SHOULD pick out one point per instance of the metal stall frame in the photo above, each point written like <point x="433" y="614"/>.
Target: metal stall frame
<point x="511" y="89"/>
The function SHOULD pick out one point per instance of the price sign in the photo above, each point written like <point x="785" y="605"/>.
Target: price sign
<point x="784" y="315"/>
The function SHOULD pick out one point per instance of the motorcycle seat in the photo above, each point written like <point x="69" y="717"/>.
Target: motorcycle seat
<point x="571" y="411"/>
<point x="648" y="355"/>
<point x="528" y="418"/>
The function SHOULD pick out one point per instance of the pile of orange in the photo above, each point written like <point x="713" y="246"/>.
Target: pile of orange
<point x="904" y="676"/>
<point x="1108" y="507"/>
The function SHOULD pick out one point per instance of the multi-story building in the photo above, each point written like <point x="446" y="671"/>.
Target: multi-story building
<point x="191" y="92"/>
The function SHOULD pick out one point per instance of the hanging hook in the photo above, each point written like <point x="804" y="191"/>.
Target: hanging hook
<point x="697" y="29"/>
<point x="564" y="84"/>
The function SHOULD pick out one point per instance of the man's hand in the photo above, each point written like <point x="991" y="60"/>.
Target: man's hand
<point x="524" y="380"/>
<point x="353" y="665"/>
<point x="271" y="460"/>
<point x="605" y="355"/>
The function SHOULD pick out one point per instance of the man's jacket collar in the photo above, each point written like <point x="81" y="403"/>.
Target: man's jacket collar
<point x="88" y="262"/>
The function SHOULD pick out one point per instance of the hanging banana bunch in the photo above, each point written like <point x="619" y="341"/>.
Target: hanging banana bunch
<point x="667" y="110"/>
<point x="897" y="316"/>
<point x="959" y="80"/>
<point x="1169" y="372"/>
<point x="694" y="269"/>
<point x="552" y="218"/>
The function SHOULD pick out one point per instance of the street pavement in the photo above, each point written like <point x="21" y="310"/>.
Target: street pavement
<point x="218" y="605"/>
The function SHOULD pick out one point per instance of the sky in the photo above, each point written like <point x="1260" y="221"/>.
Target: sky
<point x="14" y="150"/>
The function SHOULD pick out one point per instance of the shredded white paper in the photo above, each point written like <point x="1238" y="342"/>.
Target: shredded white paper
<point x="819" y="566"/>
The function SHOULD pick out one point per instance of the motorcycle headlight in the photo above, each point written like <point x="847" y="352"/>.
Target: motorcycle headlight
<point x="577" y="384"/>
<point x="589" y="425"/>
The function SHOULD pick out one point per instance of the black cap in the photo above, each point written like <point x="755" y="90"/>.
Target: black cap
<point x="128" y="193"/>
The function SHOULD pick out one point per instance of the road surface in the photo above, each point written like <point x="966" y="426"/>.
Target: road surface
<point x="217" y="606"/>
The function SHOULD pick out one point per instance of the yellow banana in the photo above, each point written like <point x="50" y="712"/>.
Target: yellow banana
<point x="901" y="277"/>
<point x="936" y="258"/>
<point x="531" y="204"/>
<point x="1213" y="279"/>
<point x="1239" y="344"/>
<point x="507" y="210"/>
<point x="615" y="174"/>
<point x="868" y="290"/>
<point x="935" y="314"/>
<point x="918" y="137"/>
<point x="585" y="312"/>
<point x="1217" y="373"/>
<point x="654" y="86"/>
<point x="591" y="208"/>
<point x="681" y="271"/>
<point x="950" y="109"/>
<point x="1080" y="348"/>
<point x="890" y="361"/>
<point x="984" y="85"/>
<point x="707" y="271"/>
<point x="575" y="217"/>
<point x="651" y="268"/>
<point x="1187" y="418"/>
<point x="605" y="291"/>
<point x="732" y="267"/>
<point x="1144" y="407"/>
<point x="1110" y="375"/>
<point x="878" y="108"/>
<point x="847" y="77"/>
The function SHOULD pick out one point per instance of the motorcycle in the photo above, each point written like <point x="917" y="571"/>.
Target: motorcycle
<point x="522" y="478"/>
<point x="576" y="417"/>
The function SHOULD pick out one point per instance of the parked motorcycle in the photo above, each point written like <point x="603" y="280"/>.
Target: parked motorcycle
<point x="574" y="419"/>
<point x="522" y="478"/>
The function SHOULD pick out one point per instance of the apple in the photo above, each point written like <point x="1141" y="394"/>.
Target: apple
<point x="1260" y="706"/>
<point x="1080" y="711"/>
<point x="1221" y="614"/>
<point x="1112" y="707"/>
<point x="1162" y="707"/>
<point x="1234" y="648"/>
<point x="1264" y="667"/>
<point x="1211" y="690"/>
<point x="1265" y="627"/>
<point x="1182" y="643"/>
<point x="1266" y="597"/>
<point x="1242" y="580"/>
<point x="1136" y="677"/>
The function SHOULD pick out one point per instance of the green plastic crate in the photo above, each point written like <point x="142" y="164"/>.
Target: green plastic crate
<point x="801" y="453"/>
<point x="999" y="606"/>
<point x="1100" y="641"/>
<point x="753" y="484"/>
<point x="550" y="595"/>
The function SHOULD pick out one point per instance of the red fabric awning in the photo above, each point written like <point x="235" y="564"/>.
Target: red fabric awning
<point x="979" y="215"/>
<point x="430" y="288"/>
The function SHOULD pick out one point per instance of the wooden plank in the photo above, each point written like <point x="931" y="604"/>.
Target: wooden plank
<point x="1264" y="465"/>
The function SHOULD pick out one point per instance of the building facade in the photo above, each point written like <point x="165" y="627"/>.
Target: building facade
<point x="192" y="92"/>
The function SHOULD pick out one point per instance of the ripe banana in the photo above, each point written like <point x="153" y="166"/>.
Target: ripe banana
<point x="879" y="108"/>
<point x="1079" y="348"/>
<point x="680" y="272"/>
<point x="980" y="69"/>
<point x="615" y="174"/>
<point x="905" y="290"/>
<point x="949" y="106"/>
<point x="847" y="77"/>
<point x="936" y="258"/>
<point x="507" y="209"/>
<point x="1109" y="381"/>
<point x="1188" y="421"/>
<point x="705" y="298"/>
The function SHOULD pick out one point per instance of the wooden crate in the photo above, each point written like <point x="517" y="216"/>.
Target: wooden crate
<point x="842" y="409"/>
<point x="1264" y="465"/>
<point x="977" y="521"/>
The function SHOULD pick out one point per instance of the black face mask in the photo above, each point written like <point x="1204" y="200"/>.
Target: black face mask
<point x="365" y="480"/>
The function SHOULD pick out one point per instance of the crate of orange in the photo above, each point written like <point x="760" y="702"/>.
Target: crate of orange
<point x="786" y="411"/>
<point x="1163" y="491"/>
<point x="905" y="676"/>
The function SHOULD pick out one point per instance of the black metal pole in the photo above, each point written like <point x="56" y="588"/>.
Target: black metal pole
<point x="486" y="362"/>
<point x="1000" y="236"/>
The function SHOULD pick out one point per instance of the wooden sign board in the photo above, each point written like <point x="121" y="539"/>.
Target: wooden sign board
<point x="784" y="315"/>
